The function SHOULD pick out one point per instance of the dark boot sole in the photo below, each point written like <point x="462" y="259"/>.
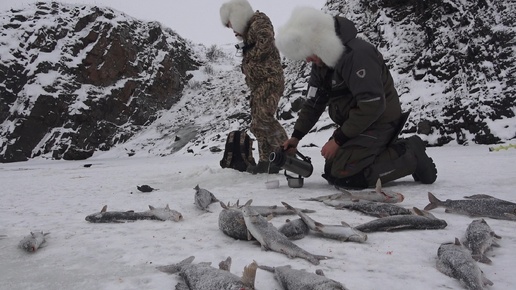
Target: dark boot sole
<point x="426" y="172"/>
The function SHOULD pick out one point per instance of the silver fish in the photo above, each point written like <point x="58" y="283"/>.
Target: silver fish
<point x="292" y="279"/>
<point x="343" y="232"/>
<point x="378" y="195"/>
<point x="33" y="242"/>
<point x="203" y="198"/>
<point x="271" y="239"/>
<point x="371" y="208"/>
<point x="454" y="260"/>
<point x="420" y="220"/>
<point x="202" y="276"/>
<point x="231" y="221"/>
<point x="480" y="238"/>
<point x="294" y="229"/>
<point x="481" y="205"/>
<point x="162" y="214"/>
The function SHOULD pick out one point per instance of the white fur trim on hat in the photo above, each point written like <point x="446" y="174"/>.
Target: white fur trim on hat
<point x="238" y="12"/>
<point x="310" y="31"/>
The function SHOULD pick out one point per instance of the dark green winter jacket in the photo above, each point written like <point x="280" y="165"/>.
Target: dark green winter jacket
<point x="359" y="91"/>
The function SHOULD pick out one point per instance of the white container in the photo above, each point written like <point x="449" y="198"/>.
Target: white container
<point x="271" y="184"/>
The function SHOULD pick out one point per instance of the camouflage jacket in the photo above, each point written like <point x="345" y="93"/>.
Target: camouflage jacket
<point x="261" y="59"/>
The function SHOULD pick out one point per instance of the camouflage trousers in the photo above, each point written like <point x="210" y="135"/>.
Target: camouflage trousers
<point x="265" y="127"/>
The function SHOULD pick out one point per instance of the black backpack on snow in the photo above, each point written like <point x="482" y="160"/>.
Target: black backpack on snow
<point x="238" y="153"/>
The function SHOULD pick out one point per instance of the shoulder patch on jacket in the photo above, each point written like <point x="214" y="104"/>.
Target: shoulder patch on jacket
<point x="361" y="73"/>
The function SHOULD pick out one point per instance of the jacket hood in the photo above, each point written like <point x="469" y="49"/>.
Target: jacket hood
<point x="238" y="12"/>
<point x="310" y="31"/>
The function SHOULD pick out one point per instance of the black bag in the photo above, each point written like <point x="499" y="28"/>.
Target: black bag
<point x="238" y="153"/>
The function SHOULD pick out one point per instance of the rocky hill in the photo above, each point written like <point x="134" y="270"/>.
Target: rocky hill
<point x="76" y="79"/>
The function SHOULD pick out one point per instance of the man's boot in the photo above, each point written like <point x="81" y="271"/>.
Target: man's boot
<point x="426" y="172"/>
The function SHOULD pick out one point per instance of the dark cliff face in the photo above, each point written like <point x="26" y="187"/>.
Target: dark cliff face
<point x="454" y="64"/>
<point x="75" y="79"/>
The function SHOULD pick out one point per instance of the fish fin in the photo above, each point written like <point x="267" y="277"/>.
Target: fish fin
<point x="487" y="281"/>
<point x="249" y="275"/>
<point x="434" y="202"/>
<point x="104" y="208"/>
<point x="197" y="187"/>
<point x="270" y="217"/>
<point x="319" y="272"/>
<point x="378" y="187"/>
<point x="151" y="207"/>
<point x="417" y="211"/>
<point x="318" y="229"/>
<point x="288" y="206"/>
<point x="457" y="242"/>
<point x="482" y="259"/>
<point x="493" y="234"/>
<point x="307" y="210"/>
<point x="174" y="268"/>
<point x="397" y="228"/>
<point x="249" y="236"/>
<point x="318" y="224"/>
<point x="480" y="196"/>
<point x="223" y="205"/>
<point x="225" y="265"/>
<point x="248" y="203"/>
<point x="345" y="224"/>
<point x="167" y="207"/>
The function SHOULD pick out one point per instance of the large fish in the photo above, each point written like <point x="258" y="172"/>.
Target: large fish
<point x="342" y="232"/>
<point x="271" y="239"/>
<point x="294" y="229"/>
<point x="480" y="205"/>
<point x="33" y="242"/>
<point x="162" y="214"/>
<point x="480" y="238"/>
<point x="202" y="276"/>
<point x="371" y="208"/>
<point x="378" y="195"/>
<point x="292" y="279"/>
<point x="203" y="198"/>
<point x="420" y="220"/>
<point x="454" y="260"/>
<point x="231" y="221"/>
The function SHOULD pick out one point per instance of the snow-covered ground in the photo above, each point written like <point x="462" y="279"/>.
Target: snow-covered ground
<point x="56" y="196"/>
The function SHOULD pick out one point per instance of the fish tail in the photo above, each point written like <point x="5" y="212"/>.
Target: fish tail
<point x="249" y="275"/>
<point x="174" y="268"/>
<point x="434" y="202"/>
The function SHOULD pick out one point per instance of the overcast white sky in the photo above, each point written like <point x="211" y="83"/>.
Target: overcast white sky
<point x="197" y="20"/>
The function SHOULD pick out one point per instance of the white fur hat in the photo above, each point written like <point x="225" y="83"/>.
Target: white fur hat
<point x="238" y="12"/>
<point x="310" y="31"/>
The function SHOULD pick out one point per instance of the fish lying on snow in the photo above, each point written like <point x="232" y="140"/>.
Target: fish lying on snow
<point x="162" y="214"/>
<point x="231" y="219"/>
<point x="371" y="208"/>
<point x="342" y="232"/>
<point x="420" y="220"/>
<point x="292" y="279"/>
<point x="454" y="260"/>
<point x="480" y="205"/>
<point x="203" y="198"/>
<point x="480" y="238"/>
<point x="271" y="239"/>
<point x="378" y="195"/>
<point x="33" y="242"/>
<point x="294" y="229"/>
<point x="202" y="276"/>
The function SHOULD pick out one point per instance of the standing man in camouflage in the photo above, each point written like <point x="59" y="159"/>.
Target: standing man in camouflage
<point x="350" y="77"/>
<point x="261" y="65"/>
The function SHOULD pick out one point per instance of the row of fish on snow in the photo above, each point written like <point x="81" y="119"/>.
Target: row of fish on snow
<point x="251" y="222"/>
